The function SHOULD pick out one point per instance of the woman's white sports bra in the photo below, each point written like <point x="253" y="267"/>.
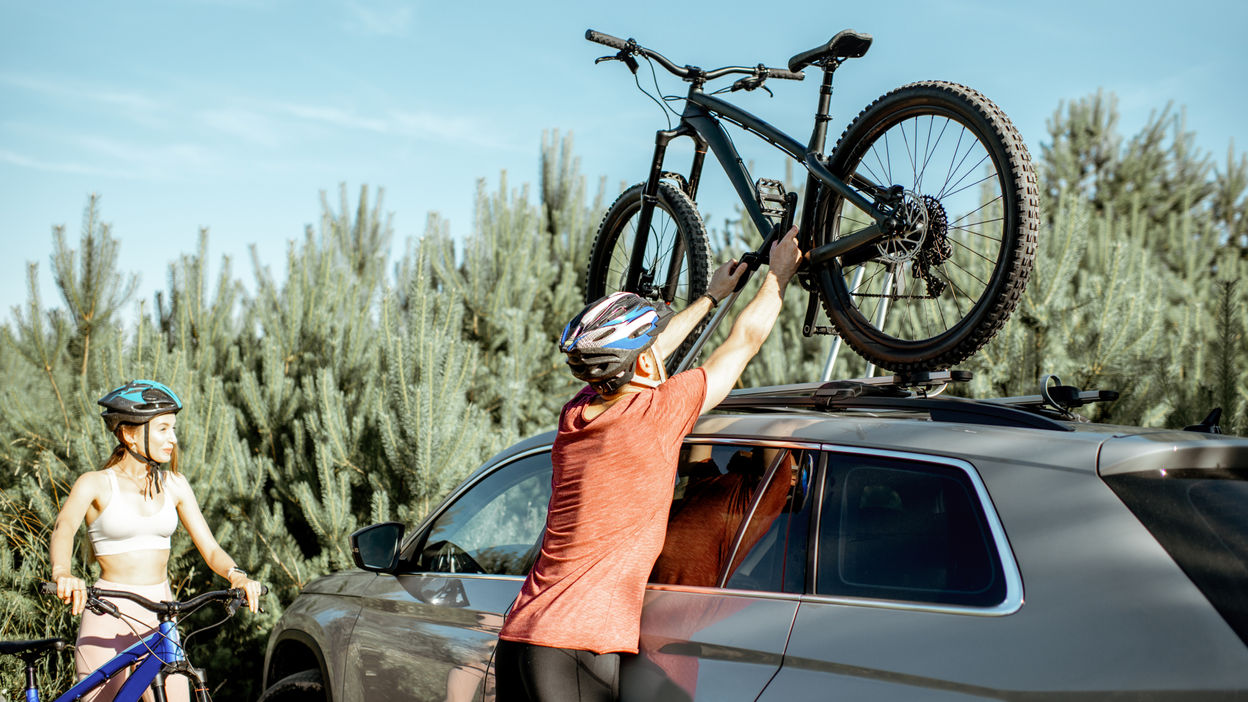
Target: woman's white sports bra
<point x="115" y="532"/>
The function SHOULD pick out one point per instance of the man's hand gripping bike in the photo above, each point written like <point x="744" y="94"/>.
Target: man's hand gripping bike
<point x="919" y="229"/>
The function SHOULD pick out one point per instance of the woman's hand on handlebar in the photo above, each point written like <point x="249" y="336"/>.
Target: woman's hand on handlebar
<point x="73" y="592"/>
<point x="252" y="588"/>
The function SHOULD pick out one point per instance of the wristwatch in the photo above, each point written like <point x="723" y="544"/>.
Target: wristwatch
<point x="235" y="569"/>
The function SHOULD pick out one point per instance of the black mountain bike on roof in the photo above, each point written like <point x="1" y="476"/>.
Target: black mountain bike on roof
<point x="919" y="229"/>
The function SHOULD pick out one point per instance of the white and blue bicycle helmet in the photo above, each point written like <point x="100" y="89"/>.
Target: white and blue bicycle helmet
<point x="605" y="339"/>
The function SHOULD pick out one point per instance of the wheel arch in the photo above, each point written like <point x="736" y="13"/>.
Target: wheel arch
<point x="295" y="651"/>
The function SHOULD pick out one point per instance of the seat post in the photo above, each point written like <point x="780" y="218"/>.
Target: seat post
<point x="819" y="136"/>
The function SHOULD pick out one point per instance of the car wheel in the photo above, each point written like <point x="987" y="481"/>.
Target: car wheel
<point x="305" y="685"/>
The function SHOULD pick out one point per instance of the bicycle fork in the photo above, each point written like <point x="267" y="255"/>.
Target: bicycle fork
<point x="649" y="200"/>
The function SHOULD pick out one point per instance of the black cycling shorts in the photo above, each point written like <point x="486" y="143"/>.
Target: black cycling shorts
<point x="529" y="673"/>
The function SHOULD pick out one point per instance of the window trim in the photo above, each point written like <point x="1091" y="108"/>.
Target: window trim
<point x="1013" y="600"/>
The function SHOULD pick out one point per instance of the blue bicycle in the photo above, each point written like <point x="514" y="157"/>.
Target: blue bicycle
<point x="154" y="658"/>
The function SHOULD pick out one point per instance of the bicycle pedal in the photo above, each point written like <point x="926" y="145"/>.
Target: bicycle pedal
<point x="770" y="194"/>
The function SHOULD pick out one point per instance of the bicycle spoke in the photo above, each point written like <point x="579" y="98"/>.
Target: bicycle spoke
<point x="932" y="147"/>
<point x="973" y="251"/>
<point x="963" y="227"/>
<point x="914" y="169"/>
<point x="949" y="173"/>
<point x="962" y="268"/>
<point x="977" y="209"/>
<point x="969" y="171"/>
<point x="971" y="185"/>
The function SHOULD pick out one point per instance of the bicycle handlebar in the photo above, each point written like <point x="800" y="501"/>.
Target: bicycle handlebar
<point x="170" y="607"/>
<point x="689" y="73"/>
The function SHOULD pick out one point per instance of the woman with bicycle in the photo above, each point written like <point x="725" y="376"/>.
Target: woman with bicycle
<point x="132" y="507"/>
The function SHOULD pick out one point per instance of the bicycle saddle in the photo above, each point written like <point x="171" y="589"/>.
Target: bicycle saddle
<point x="17" y="648"/>
<point x="845" y="45"/>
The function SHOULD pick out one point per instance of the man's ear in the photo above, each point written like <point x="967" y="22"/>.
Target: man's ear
<point x="645" y="366"/>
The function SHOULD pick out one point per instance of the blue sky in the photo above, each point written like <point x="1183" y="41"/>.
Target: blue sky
<point x="234" y="114"/>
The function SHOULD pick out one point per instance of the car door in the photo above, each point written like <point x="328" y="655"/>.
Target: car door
<point x="911" y="571"/>
<point x="427" y="631"/>
<point x="725" y="589"/>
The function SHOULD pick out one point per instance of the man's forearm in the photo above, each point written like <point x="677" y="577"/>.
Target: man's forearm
<point x="758" y="317"/>
<point x="678" y="329"/>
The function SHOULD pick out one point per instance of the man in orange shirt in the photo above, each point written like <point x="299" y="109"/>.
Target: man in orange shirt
<point x="615" y="460"/>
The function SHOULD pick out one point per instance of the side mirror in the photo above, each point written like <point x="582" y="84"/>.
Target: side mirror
<point x="376" y="547"/>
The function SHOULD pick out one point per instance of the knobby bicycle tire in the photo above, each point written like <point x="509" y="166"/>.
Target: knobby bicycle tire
<point x="954" y="275"/>
<point x="675" y="219"/>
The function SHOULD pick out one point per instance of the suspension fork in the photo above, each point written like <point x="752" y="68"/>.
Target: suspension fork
<point x="650" y="199"/>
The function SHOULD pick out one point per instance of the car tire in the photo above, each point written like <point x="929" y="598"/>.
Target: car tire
<point x="303" y="686"/>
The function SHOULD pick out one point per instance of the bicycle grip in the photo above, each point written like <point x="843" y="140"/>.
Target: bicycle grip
<point x="606" y="39"/>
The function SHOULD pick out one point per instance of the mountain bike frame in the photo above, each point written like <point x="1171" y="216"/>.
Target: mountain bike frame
<point x="700" y="121"/>
<point x="157" y="655"/>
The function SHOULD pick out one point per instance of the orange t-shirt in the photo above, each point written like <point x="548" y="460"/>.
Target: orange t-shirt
<point x="611" y="492"/>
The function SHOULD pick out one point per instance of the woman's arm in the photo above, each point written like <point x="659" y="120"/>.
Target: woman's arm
<point x="217" y="559"/>
<point x="71" y="590"/>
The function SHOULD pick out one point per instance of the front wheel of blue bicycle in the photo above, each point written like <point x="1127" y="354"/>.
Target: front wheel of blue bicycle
<point x="675" y="262"/>
<point x="932" y="294"/>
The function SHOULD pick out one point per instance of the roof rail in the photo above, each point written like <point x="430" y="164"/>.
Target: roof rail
<point x="911" y="392"/>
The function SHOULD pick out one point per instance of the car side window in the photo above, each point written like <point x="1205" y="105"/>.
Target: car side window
<point x="771" y="550"/>
<point x="905" y="530"/>
<point x="718" y="488"/>
<point x="495" y="527"/>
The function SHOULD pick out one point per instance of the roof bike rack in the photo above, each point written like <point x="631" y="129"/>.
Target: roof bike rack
<point x="915" y="392"/>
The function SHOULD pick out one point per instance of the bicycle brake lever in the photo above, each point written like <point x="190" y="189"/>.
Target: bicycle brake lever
<point x="624" y="56"/>
<point x="103" y="607"/>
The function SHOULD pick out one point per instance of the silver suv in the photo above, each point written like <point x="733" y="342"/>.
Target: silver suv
<point x="848" y="540"/>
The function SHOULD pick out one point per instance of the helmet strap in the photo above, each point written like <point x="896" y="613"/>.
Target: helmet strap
<point x="153" y="466"/>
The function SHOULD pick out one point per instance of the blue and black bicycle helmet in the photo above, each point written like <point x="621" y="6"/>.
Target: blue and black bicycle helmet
<point x="137" y="402"/>
<point x="605" y="339"/>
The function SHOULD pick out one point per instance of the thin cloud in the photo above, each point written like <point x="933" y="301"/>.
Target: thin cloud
<point x="392" y="21"/>
<point x="422" y="125"/>
<point x="249" y="125"/>
<point x="129" y="101"/>
<point x="55" y="167"/>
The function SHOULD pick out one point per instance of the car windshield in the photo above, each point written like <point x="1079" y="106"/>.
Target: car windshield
<point x="1201" y="518"/>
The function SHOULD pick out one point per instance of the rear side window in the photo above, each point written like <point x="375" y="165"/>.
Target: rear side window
<point x="903" y="530"/>
<point x="1201" y="518"/>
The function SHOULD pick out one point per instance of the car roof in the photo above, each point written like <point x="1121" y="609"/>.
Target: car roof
<point x="872" y="414"/>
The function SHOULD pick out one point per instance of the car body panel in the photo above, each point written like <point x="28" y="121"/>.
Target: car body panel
<point x="426" y="636"/>
<point x="706" y="644"/>
<point x="320" y="620"/>
<point x="1102" y="610"/>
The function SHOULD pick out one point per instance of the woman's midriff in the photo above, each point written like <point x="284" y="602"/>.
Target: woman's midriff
<point x="148" y="567"/>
